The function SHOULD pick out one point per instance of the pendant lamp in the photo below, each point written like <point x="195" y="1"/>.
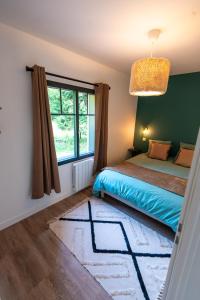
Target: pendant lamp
<point x="149" y="76"/>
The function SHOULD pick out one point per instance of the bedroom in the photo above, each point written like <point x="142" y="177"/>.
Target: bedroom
<point x="41" y="255"/>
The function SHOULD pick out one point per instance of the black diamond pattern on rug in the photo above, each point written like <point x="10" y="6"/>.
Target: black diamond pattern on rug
<point x="134" y="255"/>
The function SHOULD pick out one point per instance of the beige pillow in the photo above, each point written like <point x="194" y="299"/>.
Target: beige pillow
<point x="159" y="151"/>
<point x="185" y="157"/>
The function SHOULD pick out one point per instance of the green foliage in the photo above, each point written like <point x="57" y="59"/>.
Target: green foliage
<point x="54" y="100"/>
<point x="83" y="100"/>
<point x="68" y="101"/>
<point x="64" y="120"/>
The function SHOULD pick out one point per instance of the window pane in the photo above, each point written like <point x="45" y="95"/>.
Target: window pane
<point x="91" y="104"/>
<point x="64" y="136"/>
<point x="68" y="101"/>
<point x="83" y="102"/>
<point x="86" y="134"/>
<point x="54" y="100"/>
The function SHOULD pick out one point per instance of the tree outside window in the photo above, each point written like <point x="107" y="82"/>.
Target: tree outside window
<point x="73" y="120"/>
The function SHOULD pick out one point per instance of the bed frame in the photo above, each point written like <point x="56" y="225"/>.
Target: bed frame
<point x="102" y="196"/>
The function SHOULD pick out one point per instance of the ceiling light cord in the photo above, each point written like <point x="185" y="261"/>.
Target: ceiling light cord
<point x="152" y="47"/>
<point x="153" y="37"/>
<point x="151" y="51"/>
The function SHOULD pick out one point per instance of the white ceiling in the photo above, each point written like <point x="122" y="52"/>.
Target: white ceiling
<point x="113" y="32"/>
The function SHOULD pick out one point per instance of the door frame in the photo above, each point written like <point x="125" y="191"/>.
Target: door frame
<point x="187" y="241"/>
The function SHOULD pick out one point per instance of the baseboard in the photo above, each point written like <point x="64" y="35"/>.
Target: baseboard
<point x="29" y="213"/>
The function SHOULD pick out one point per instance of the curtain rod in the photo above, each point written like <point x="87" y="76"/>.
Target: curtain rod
<point x="64" y="77"/>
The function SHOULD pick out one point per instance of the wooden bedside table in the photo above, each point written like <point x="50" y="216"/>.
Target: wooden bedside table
<point x="133" y="151"/>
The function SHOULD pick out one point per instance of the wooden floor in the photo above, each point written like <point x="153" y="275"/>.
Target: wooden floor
<point x="35" y="264"/>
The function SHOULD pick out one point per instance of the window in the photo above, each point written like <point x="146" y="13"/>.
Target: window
<point x="73" y="119"/>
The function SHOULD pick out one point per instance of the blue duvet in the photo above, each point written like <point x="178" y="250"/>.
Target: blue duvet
<point x="157" y="202"/>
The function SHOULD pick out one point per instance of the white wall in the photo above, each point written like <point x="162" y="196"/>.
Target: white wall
<point x="18" y="49"/>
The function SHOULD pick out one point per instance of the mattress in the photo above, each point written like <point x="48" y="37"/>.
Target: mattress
<point x="156" y="202"/>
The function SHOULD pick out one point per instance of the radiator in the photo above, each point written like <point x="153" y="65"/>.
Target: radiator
<point x="82" y="174"/>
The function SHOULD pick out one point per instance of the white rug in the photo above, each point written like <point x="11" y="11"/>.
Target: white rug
<point x="126" y="257"/>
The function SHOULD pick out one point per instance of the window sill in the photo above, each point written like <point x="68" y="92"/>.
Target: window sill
<point x="67" y="161"/>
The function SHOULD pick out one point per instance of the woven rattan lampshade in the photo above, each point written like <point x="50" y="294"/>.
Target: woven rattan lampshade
<point x="149" y="77"/>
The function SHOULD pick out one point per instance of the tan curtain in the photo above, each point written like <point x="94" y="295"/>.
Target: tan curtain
<point x="45" y="175"/>
<point x="101" y="126"/>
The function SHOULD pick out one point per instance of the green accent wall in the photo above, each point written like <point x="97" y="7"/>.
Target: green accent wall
<point x="174" y="116"/>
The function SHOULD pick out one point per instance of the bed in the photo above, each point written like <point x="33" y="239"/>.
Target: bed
<point x="150" y="199"/>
